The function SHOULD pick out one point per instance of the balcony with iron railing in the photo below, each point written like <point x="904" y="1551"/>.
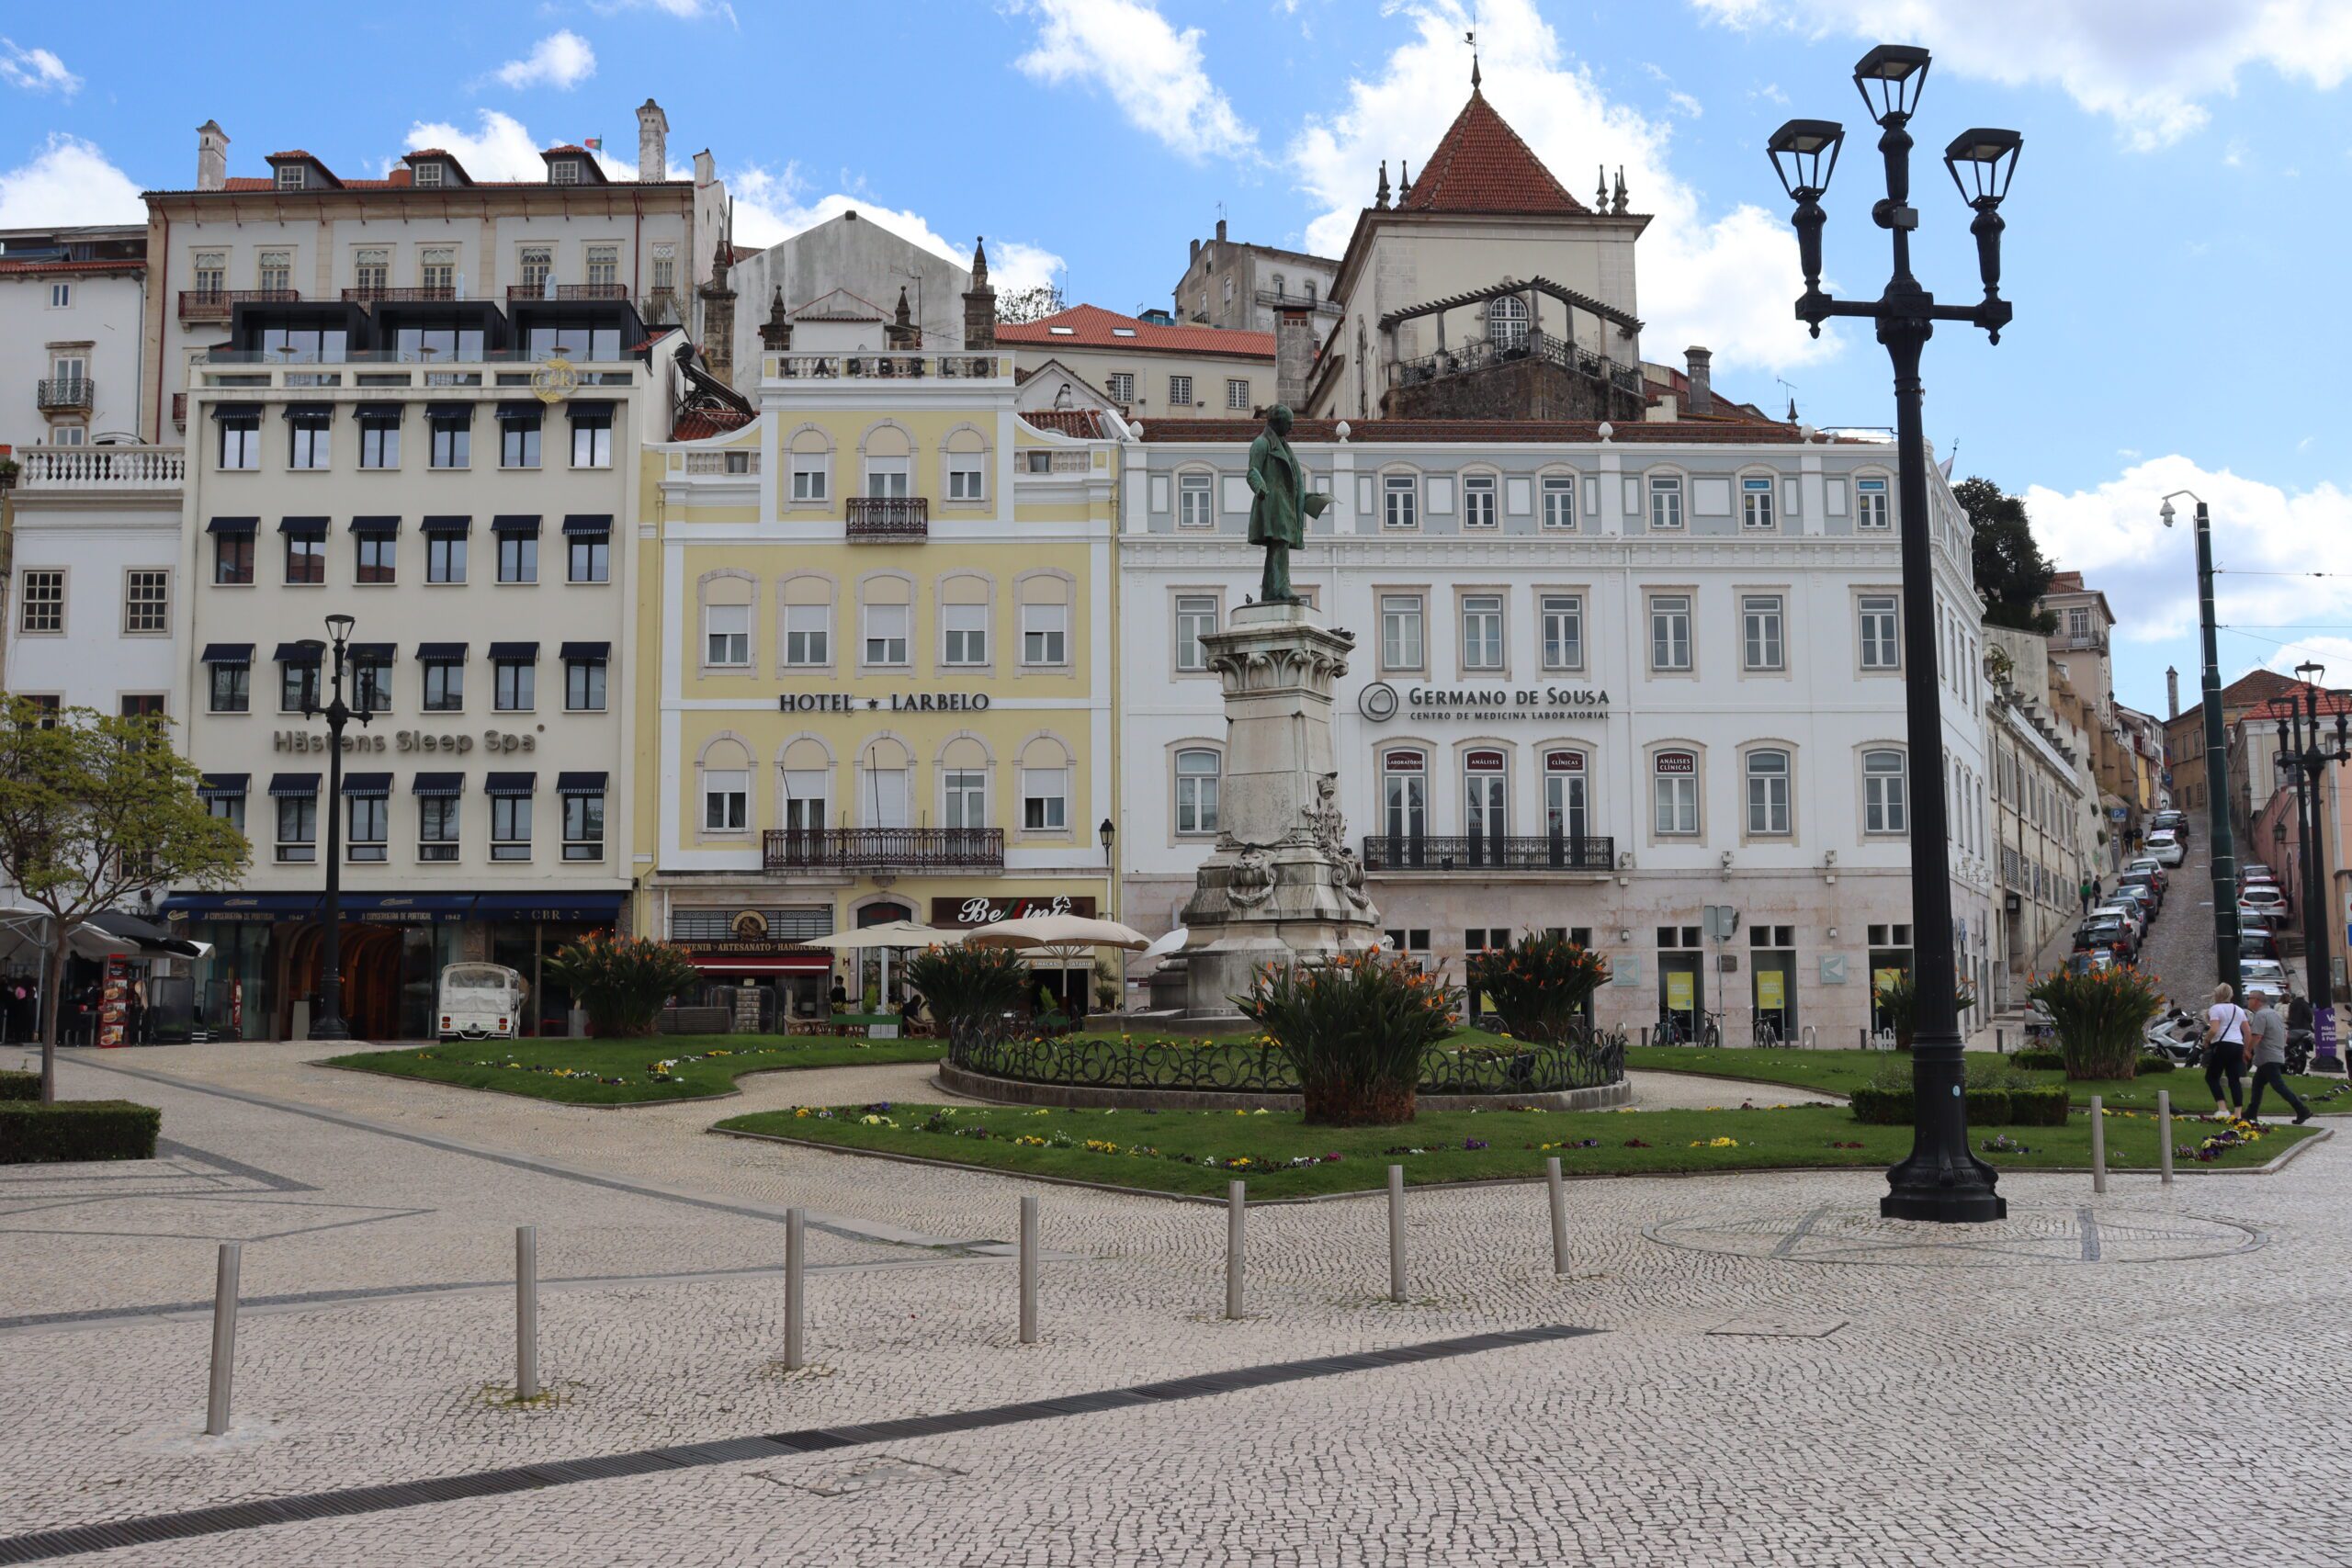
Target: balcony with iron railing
<point x="388" y="294"/>
<point x="217" y="304"/>
<point x="1488" y="852"/>
<point x="63" y="394"/>
<point x="885" y="848"/>
<point x="1484" y="353"/>
<point x="100" y="468"/>
<point x="1319" y="304"/>
<point x="517" y="292"/>
<point x="886" y="517"/>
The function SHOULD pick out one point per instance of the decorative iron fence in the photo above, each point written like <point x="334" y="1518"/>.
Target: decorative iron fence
<point x="885" y="848"/>
<point x="1589" y="1062"/>
<point x="889" y="517"/>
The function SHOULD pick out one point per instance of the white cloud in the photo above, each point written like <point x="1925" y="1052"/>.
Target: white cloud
<point x="499" y="150"/>
<point x="1152" y="71"/>
<point x="1727" y="281"/>
<point x="769" y="207"/>
<point x="69" y="181"/>
<point x="2150" y="66"/>
<point x="35" y="70"/>
<point x="685" y="10"/>
<point x="559" y="59"/>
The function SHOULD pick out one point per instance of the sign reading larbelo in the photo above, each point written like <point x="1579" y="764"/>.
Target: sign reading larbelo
<point x="949" y="911"/>
<point x="1379" y="701"/>
<point x="898" y="701"/>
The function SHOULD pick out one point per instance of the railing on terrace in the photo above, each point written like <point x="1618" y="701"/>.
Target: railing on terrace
<point x="889" y="517"/>
<point x="66" y="392"/>
<point x="885" y="848"/>
<point x="215" y="304"/>
<point x="914" y="366"/>
<point x="1481" y="354"/>
<point x="390" y="294"/>
<point x="573" y="352"/>
<point x="100" y="468"/>
<point x="1387" y="853"/>
<point x="560" y="291"/>
<point x="1298" y="302"/>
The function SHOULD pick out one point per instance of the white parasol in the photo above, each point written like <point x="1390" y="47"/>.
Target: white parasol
<point x="889" y="933"/>
<point x="1172" y="943"/>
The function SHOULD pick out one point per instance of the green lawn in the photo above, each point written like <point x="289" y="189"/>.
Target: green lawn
<point x="623" y="1072"/>
<point x="1134" y="1149"/>
<point x="1841" y="1072"/>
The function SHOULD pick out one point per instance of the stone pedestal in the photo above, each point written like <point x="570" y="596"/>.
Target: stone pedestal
<point x="1282" y="885"/>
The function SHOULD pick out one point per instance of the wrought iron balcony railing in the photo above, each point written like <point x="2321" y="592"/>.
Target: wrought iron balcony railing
<point x="1385" y="853"/>
<point x="390" y="294"/>
<point x="889" y="517"/>
<point x="521" y="291"/>
<point x="1480" y="354"/>
<point x="885" y="848"/>
<point x="67" y="392"/>
<point x="215" y="304"/>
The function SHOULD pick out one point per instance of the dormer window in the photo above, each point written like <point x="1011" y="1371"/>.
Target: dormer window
<point x="1063" y="332"/>
<point x="290" y="176"/>
<point x="1115" y="331"/>
<point x="564" y="171"/>
<point x="428" y="173"/>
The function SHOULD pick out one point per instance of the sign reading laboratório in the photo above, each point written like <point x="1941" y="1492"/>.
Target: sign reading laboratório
<point x="1379" y="702"/>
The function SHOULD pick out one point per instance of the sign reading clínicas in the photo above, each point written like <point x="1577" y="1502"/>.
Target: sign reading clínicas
<point x="898" y="701"/>
<point x="1379" y="702"/>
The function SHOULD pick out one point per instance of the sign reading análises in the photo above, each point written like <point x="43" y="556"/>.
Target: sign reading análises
<point x="1380" y="701"/>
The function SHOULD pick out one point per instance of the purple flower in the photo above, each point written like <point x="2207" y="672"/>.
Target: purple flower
<point x="1474" y="1143"/>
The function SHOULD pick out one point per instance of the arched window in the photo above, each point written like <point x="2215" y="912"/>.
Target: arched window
<point x="885" y="773"/>
<point x="811" y="461"/>
<point x="726" y="768"/>
<point x="1278" y="285"/>
<point x="804" y="780"/>
<point x="1045" y="786"/>
<point x="1674" y="787"/>
<point x="966" y="463"/>
<point x="1768" y="793"/>
<point x="964" y="611"/>
<point x="1198" y="769"/>
<point x="964" y="783"/>
<point x="1885" y="804"/>
<point x="886" y="613"/>
<point x="1405" y="804"/>
<point x="1044" y="598"/>
<point x="728" y="599"/>
<point x="1507" y="322"/>
<point x="807" y="629"/>
<point x="889" y="456"/>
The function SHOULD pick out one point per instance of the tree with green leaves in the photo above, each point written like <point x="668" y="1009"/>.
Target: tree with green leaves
<point x="94" y="808"/>
<point x="2011" y="571"/>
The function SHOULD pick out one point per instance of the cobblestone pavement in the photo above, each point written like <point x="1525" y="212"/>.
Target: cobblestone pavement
<point x="2179" y="949"/>
<point x="1860" y="1412"/>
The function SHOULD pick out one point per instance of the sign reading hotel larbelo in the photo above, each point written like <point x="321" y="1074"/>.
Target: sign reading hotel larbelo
<point x="898" y="701"/>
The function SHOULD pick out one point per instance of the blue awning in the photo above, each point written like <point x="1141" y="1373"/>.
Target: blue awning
<point x="237" y="413"/>
<point x="514" y="653"/>
<point x="374" y="652"/>
<point x="587" y="652"/>
<point x="379" y="413"/>
<point x="304" y="527"/>
<point x="510" y="784"/>
<point x="599" y="907"/>
<point x="447" y="524"/>
<point x="515" y="523"/>
<point x="216" y="787"/>
<point x="522" y="413"/>
<point x="440" y="654"/>
<point x="580" y="783"/>
<point x="376" y="784"/>
<point x="227" y="653"/>
<point x="439" y="785"/>
<point x="310" y="413"/>
<point x="375" y="525"/>
<point x="365" y="908"/>
<point x="233" y="525"/>
<point x="580" y="523"/>
<point x="588" y="410"/>
<point x="449" y="413"/>
<point x="299" y="653"/>
<point x="293" y="784"/>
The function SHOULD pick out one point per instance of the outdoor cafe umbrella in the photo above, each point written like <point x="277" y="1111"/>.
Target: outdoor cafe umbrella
<point x="889" y="933"/>
<point x="1066" y="937"/>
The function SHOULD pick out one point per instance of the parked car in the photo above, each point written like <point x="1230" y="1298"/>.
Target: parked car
<point x="2149" y="863"/>
<point x="2090" y="962"/>
<point x="2264" y="972"/>
<point x="2173" y="822"/>
<point x="2166" y="849"/>
<point x="2145" y="884"/>
<point x="2263" y="896"/>
<point x="2263" y="916"/>
<point x="2117" y="909"/>
<point x="2256" y="942"/>
<point x="2106" y="932"/>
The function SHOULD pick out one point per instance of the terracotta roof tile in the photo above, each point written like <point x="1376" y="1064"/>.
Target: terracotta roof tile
<point x="1481" y="165"/>
<point x="1086" y="424"/>
<point x="697" y="424"/>
<point x="31" y="268"/>
<point x="1093" y="327"/>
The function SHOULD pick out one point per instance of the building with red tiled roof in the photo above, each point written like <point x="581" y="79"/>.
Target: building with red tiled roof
<point x="1150" y="368"/>
<point x="69" y="332"/>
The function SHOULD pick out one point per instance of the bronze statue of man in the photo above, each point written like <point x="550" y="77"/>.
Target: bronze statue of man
<point x="1281" y="503"/>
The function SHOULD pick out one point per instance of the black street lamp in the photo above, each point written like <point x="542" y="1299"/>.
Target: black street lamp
<point x="1942" y="1180"/>
<point x="328" y="1024"/>
<point x="2304" y="754"/>
<point x="2217" y="763"/>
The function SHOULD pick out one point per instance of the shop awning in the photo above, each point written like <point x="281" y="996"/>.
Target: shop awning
<point x="233" y="525"/>
<point x="580" y="783"/>
<point x="587" y="652"/>
<point x="580" y="523"/>
<point x="522" y="413"/>
<point x="293" y="784"/>
<point x="218" y="786"/>
<point x="374" y="652"/>
<point x="447" y="524"/>
<point x="376" y="526"/>
<point x="514" y="653"/>
<point x="594" y="907"/>
<point x="379" y="413"/>
<point x="509" y="784"/>
<point x="585" y="410"/>
<point x="310" y="413"/>
<point x="304" y="527"/>
<point x="150" y="937"/>
<point x="515" y="523"/>
<point x="774" y="963"/>
<point x="370" y="909"/>
<point x="227" y="653"/>
<point x="441" y="785"/>
<point x="237" y="413"/>
<point x="440" y="654"/>
<point x="298" y="652"/>
<point x="377" y="785"/>
<point x="449" y="413"/>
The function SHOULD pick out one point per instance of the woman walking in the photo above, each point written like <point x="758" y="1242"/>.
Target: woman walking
<point x="2225" y="1051"/>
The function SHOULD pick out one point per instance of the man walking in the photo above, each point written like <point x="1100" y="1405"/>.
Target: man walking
<point x="2085" y="891"/>
<point x="2266" y="1050"/>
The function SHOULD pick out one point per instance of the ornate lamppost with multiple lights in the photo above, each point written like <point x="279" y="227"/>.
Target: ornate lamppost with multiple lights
<point x="328" y="1024"/>
<point x="2304" y="755"/>
<point x="1942" y="1180"/>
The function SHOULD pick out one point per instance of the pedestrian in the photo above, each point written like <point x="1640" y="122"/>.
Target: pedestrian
<point x="2085" y="891"/>
<point x="2226" y="1049"/>
<point x="2266" y="1052"/>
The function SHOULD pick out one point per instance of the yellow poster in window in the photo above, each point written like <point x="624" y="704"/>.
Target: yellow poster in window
<point x="1771" y="990"/>
<point x="1678" y="990"/>
<point x="1885" y="981"/>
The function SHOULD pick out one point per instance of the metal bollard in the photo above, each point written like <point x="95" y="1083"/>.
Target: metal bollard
<point x="796" y="1245"/>
<point x="1396" y="1233"/>
<point x="1236" y="1221"/>
<point x="224" y="1339"/>
<point x="1028" y="1270"/>
<point x="2163" y="1133"/>
<point x="2099" y="1146"/>
<point x="2000" y="1048"/>
<point x="527" y="1312"/>
<point x="1559" y="1215"/>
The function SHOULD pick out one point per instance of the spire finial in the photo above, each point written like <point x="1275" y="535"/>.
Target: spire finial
<point x="979" y="261"/>
<point x="1471" y="37"/>
<point x="1380" y="198"/>
<point x="1404" y="182"/>
<point x="1601" y="188"/>
<point x="1617" y="203"/>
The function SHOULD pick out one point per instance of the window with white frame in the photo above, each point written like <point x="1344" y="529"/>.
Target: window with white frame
<point x="297" y="829"/>
<point x="291" y="176"/>
<point x="888" y="479"/>
<point x="583" y="685"/>
<point x="1482" y="631"/>
<point x="603" y="265"/>
<point x="665" y="269"/>
<point x="808" y="634"/>
<point x="41" y="598"/>
<point x="1196" y="617"/>
<point x="583" y="824"/>
<point x="510" y="827"/>
<point x="211" y="271"/>
<point x="812" y="476"/>
<point x="1768" y="792"/>
<point x="966" y="792"/>
<point x="1179" y="391"/>
<point x="427" y="173"/>
<point x="1674" y="787"/>
<point x="1506" y="322"/>
<point x="727" y="636"/>
<point x="1120" y="386"/>
<point x="1237" y="393"/>
<point x="1196" y="501"/>
<point x="885" y="634"/>
<point x="1560" y="500"/>
<point x="1880" y="618"/>
<point x="1756" y="502"/>
<point x="1479" y="509"/>
<point x="966" y="476"/>
<point x="371" y="269"/>
<point x="1886" y="808"/>
<point x="1666" y="500"/>
<point x="1045" y="799"/>
<point x="1045" y="634"/>
<point x="1563" y="631"/>
<point x="513" y="684"/>
<point x="1197" y="770"/>
<point x="61" y="295"/>
<point x="276" y="270"/>
<point x="436" y="268"/>
<point x="1871" y="508"/>
<point x="1762" y="645"/>
<point x="367" y="828"/>
<point x="1669" y="633"/>
<point x="1400" y="501"/>
<point x="965" y="631"/>
<point x="539" y="264"/>
<point x="726" y="800"/>
<point x="1402" y="620"/>
<point x="146" y="603"/>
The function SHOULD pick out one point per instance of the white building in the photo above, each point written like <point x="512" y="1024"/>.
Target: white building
<point x="1603" y="680"/>
<point x="70" y="304"/>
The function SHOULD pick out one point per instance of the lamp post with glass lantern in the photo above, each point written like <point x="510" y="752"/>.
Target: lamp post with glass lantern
<point x="1942" y="1180"/>
<point x="328" y="1024"/>
<point x="2217" y="756"/>
<point x="2304" y="754"/>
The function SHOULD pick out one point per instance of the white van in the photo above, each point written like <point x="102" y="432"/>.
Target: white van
<point x="480" y="1001"/>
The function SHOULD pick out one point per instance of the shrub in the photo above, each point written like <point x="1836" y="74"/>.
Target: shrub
<point x="2041" y="1106"/>
<point x="621" y="982"/>
<point x="2157" y="1065"/>
<point x="34" y="1134"/>
<point x="19" y="1086"/>
<point x="2038" y="1061"/>
<point x="2102" y="1018"/>
<point x="1539" y="985"/>
<point x="1354" y="1029"/>
<point x="1883" y="1107"/>
<point x="1899" y="1000"/>
<point x="970" y="989"/>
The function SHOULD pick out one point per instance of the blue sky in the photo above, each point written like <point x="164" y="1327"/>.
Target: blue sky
<point x="2181" y="198"/>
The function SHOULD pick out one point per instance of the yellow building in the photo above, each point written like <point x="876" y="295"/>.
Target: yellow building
<point x="883" y="611"/>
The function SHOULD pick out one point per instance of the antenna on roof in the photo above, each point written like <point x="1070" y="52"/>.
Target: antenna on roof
<point x="1471" y="37"/>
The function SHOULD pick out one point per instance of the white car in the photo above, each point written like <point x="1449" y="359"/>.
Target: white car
<point x="2268" y="972"/>
<point x="2125" y="913"/>
<point x="2263" y="896"/>
<point x="2165" y="849"/>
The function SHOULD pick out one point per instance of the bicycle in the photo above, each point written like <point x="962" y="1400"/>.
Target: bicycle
<point x="1766" y="1035"/>
<point x="1668" y="1031"/>
<point x="1711" y="1036"/>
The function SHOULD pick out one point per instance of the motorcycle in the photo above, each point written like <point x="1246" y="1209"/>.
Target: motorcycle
<point x="2177" y="1037"/>
<point x="2299" y="1051"/>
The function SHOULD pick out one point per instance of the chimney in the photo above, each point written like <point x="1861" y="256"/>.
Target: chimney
<point x="1294" y="357"/>
<point x="901" y="332"/>
<point x="652" y="143"/>
<point x="212" y="156"/>
<point x="979" y="302"/>
<point x="1196" y="251"/>
<point x="718" y="309"/>
<point x="1703" y="391"/>
<point x="2172" y="692"/>
<point x="1220" y="231"/>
